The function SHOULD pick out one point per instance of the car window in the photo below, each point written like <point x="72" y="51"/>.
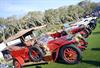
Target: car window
<point x="37" y="33"/>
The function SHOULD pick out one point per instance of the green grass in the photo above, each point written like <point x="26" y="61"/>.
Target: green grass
<point x="91" y="56"/>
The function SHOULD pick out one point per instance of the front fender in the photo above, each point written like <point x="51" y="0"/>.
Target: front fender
<point x="56" y="55"/>
<point x="19" y="59"/>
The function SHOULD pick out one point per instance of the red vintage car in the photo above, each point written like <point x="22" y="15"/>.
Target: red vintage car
<point x="64" y="48"/>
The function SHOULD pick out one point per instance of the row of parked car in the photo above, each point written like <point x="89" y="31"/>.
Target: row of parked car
<point x="65" y="46"/>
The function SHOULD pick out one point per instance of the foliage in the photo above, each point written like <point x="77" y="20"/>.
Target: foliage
<point x="52" y="17"/>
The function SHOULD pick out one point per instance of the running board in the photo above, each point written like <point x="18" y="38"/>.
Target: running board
<point x="35" y="63"/>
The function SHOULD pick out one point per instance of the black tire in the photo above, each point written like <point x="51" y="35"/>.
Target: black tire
<point x="77" y="56"/>
<point x="37" y="52"/>
<point x="16" y="64"/>
<point x="89" y="30"/>
<point x="92" y="24"/>
<point x="86" y="34"/>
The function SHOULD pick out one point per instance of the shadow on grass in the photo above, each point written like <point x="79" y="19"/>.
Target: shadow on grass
<point x="61" y="62"/>
<point x="95" y="49"/>
<point x="94" y="33"/>
<point x="36" y="65"/>
<point x="92" y="62"/>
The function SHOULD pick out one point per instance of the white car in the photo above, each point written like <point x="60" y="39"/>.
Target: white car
<point x="86" y="21"/>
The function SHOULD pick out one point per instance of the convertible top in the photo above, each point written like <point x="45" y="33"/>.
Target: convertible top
<point x="23" y="32"/>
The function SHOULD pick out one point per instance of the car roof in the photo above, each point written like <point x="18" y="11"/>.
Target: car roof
<point x="23" y="32"/>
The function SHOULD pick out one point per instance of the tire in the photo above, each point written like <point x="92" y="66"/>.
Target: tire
<point x="16" y="64"/>
<point x="89" y="30"/>
<point x="35" y="54"/>
<point x="85" y="35"/>
<point x="70" y="54"/>
<point x="92" y="24"/>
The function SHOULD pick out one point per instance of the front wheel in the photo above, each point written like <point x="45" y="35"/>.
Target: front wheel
<point x="85" y="33"/>
<point x="16" y="64"/>
<point x="35" y="54"/>
<point x="70" y="54"/>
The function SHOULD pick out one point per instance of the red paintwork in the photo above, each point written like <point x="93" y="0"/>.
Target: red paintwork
<point x="81" y="47"/>
<point x="20" y="55"/>
<point x="54" y="46"/>
<point x="83" y="33"/>
<point x="57" y="43"/>
<point x="56" y="35"/>
<point x="17" y="64"/>
<point x="76" y="30"/>
<point x="19" y="59"/>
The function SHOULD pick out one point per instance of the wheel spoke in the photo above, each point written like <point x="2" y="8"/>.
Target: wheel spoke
<point x="70" y="54"/>
<point x="35" y="55"/>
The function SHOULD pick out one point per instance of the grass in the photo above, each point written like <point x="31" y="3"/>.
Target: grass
<point x="91" y="56"/>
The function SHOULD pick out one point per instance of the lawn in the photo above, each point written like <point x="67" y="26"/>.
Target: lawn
<point x="91" y="56"/>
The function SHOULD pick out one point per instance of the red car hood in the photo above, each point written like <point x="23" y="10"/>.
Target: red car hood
<point x="57" y="43"/>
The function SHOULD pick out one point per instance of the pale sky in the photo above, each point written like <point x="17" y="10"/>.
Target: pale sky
<point x="21" y="7"/>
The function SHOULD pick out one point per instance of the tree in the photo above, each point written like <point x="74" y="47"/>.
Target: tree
<point x="87" y="5"/>
<point x="63" y="14"/>
<point x="33" y="18"/>
<point x="75" y="11"/>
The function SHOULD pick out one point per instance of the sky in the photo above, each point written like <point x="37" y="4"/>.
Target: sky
<point x="22" y="7"/>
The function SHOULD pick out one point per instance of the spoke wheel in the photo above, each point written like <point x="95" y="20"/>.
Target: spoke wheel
<point x="16" y="64"/>
<point x="70" y="54"/>
<point x="35" y="54"/>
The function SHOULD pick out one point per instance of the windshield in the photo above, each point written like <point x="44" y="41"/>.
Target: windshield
<point x="37" y="33"/>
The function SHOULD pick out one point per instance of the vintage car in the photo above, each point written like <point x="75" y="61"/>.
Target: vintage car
<point x="64" y="48"/>
<point x="89" y="24"/>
